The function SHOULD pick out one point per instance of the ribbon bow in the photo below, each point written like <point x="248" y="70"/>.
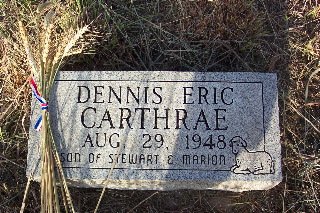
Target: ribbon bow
<point x="41" y="100"/>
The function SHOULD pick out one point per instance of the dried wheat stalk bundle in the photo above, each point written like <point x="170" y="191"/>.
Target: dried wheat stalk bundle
<point x="45" y="50"/>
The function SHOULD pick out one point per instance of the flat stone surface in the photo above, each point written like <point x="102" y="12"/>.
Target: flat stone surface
<point x="164" y="130"/>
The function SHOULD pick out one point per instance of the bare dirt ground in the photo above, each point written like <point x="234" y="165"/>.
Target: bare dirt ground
<point x="231" y="35"/>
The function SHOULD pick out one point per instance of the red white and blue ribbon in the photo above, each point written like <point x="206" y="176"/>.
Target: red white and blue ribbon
<point x="41" y="100"/>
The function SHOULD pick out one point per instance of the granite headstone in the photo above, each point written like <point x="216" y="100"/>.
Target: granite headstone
<point x="164" y="130"/>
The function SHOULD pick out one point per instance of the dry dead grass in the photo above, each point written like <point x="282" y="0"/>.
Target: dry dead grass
<point x="231" y="35"/>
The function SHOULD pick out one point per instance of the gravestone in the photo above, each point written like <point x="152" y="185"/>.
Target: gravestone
<point x="163" y="130"/>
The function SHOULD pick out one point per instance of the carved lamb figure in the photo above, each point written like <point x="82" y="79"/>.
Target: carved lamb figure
<point x="255" y="162"/>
